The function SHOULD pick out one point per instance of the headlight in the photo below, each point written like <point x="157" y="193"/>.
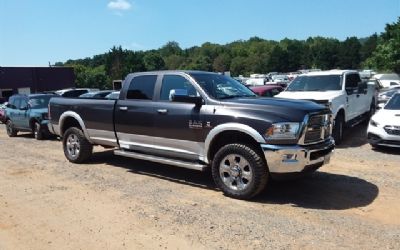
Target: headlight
<point x="283" y="130"/>
<point x="373" y="123"/>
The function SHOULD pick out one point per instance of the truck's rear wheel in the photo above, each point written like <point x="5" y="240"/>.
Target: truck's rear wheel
<point x="239" y="171"/>
<point x="77" y="148"/>
<point x="11" y="131"/>
<point x="37" y="131"/>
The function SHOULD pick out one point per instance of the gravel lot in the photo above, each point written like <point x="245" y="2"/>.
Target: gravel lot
<point x="118" y="203"/>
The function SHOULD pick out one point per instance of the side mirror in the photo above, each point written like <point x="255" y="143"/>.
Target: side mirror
<point x="350" y="91"/>
<point x="181" y="95"/>
<point x="380" y="106"/>
<point x="24" y="108"/>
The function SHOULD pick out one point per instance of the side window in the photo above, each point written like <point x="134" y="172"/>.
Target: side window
<point x="11" y="103"/>
<point x="17" y="103"/>
<point x="23" y="103"/>
<point x="352" y="80"/>
<point x="142" y="87"/>
<point x="175" y="82"/>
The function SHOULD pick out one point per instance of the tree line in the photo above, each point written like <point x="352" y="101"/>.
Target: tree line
<point x="243" y="57"/>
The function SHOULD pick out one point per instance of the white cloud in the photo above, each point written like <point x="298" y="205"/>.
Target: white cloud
<point x="119" y="5"/>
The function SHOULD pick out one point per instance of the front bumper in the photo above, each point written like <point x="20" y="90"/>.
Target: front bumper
<point x="284" y="159"/>
<point x="378" y="136"/>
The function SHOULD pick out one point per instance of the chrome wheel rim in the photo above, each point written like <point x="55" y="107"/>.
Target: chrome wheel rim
<point x="235" y="172"/>
<point x="73" y="146"/>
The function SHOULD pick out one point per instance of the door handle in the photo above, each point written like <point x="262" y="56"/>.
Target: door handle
<point x="124" y="108"/>
<point x="162" y="111"/>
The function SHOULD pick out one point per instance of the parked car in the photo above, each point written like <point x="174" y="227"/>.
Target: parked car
<point x="199" y="120"/>
<point x="384" y="126"/>
<point x="114" y="95"/>
<point x="96" y="94"/>
<point x="28" y="113"/>
<point x="3" y="112"/>
<point x="388" y="80"/>
<point x="74" y="92"/>
<point x="269" y="90"/>
<point x="350" y="99"/>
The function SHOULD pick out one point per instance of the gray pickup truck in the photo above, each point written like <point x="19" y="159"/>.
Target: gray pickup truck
<point x="197" y="120"/>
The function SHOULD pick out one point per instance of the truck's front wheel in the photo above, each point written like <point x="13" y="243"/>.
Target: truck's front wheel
<point x="239" y="171"/>
<point x="338" y="129"/>
<point x="77" y="148"/>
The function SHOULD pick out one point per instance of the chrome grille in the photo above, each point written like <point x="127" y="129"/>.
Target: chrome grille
<point x="317" y="128"/>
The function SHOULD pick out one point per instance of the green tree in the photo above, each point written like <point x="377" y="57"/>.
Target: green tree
<point x="349" y="54"/>
<point x="153" y="61"/>
<point x="386" y="57"/>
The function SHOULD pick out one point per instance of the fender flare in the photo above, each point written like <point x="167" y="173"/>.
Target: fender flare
<point x="78" y="118"/>
<point x="230" y="127"/>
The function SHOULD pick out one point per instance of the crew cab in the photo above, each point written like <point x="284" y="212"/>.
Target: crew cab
<point x="28" y="113"/>
<point x="350" y="99"/>
<point x="199" y="120"/>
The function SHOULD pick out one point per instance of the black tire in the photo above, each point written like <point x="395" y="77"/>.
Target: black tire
<point x="372" y="109"/>
<point x="77" y="148"/>
<point x="37" y="131"/>
<point x="229" y="166"/>
<point x="338" y="129"/>
<point x="11" y="131"/>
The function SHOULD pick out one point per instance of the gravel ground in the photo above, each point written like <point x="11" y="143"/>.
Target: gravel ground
<point x="118" y="203"/>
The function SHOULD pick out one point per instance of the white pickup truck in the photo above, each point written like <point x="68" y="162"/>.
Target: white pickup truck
<point x="350" y="99"/>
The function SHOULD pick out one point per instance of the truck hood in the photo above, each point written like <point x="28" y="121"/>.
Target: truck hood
<point x="387" y="117"/>
<point x="277" y="109"/>
<point x="310" y="95"/>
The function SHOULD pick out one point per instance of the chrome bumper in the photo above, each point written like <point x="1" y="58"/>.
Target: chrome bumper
<point x="51" y="129"/>
<point x="297" y="158"/>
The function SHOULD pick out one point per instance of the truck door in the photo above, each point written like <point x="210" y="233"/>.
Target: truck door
<point x="351" y="85"/>
<point x="180" y="126"/>
<point x="134" y="114"/>
<point x="24" y="114"/>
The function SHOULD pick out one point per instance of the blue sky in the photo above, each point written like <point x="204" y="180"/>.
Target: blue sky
<point x="35" y="32"/>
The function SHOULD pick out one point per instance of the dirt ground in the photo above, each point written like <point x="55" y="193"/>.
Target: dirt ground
<point x="118" y="203"/>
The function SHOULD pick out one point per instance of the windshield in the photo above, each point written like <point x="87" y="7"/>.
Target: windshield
<point x="40" y="102"/>
<point x="394" y="102"/>
<point x="221" y="86"/>
<point x="316" y="83"/>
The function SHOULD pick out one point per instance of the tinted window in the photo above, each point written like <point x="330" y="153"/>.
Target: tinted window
<point x="352" y="80"/>
<point x="175" y="82"/>
<point x="142" y="87"/>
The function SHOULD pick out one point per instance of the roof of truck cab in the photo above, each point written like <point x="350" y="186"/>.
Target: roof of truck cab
<point x="173" y="71"/>
<point x="329" y="72"/>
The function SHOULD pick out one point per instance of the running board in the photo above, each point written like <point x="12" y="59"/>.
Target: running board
<point x="163" y="160"/>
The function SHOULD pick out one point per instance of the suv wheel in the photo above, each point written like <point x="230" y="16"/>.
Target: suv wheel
<point x="11" y="131"/>
<point x="77" y="148"/>
<point x="239" y="171"/>
<point x="37" y="131"/>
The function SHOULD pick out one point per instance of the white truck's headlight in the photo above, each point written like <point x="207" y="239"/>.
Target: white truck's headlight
<point x="283" y="130"/>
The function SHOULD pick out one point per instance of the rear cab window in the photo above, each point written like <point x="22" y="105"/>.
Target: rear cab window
<point x="142" y="87"/>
